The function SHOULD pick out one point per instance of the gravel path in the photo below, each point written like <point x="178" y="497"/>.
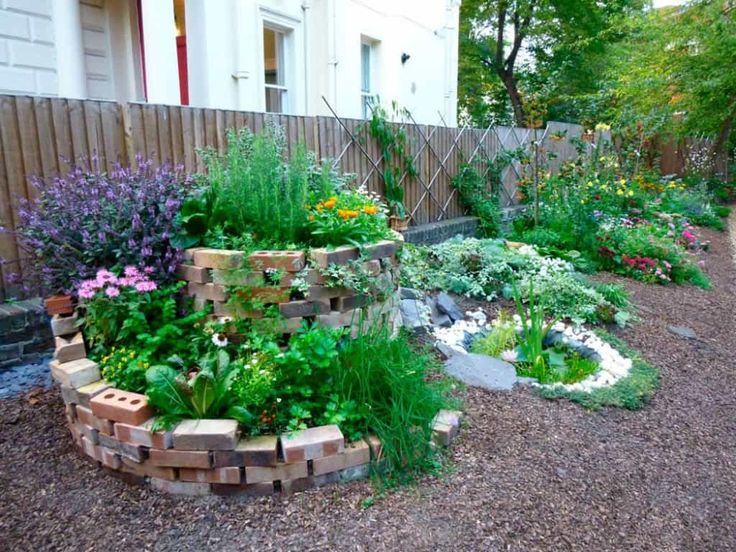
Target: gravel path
<point x="528" y="474"/>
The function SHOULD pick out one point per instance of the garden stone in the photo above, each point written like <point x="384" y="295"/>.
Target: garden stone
<point x="412" y="313"/>
<point x="409" y="293"/>
<point x="438" y="318"/>
<point x="683" y="331"/>
<point x="446" y="305"/>
<point x="482" y="371"/>
<point x="445" y="349"/>
<point x="522" y="380"/>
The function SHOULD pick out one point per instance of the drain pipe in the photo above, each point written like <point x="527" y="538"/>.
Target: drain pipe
<point x="306" y="23"/>
<point x="332" y="49"/>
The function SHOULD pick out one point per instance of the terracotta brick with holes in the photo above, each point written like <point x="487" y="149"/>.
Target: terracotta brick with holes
<point x="290" y="261"/>
<point x="121" y="406"/>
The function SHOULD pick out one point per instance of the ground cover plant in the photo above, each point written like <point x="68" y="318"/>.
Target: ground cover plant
<point x="488" y="268"/>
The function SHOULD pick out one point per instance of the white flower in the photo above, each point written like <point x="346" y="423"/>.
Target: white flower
<point x="509" y="355"/>
<point x="219" y="340"/>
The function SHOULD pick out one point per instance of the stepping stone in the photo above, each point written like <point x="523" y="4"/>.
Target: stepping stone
<point x="482" y="371"/>
<point x="683" y="331"/>
<point x="409" y="293"/>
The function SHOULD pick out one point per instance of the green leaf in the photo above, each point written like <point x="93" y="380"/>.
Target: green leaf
<point x="164" y="390"/>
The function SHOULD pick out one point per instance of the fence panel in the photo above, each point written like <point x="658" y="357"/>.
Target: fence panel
<point x="39" y="136"/>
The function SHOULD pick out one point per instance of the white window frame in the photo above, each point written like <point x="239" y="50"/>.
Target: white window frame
<point x="368" y="97"/>
<point x="282" y="65"/>
<point x="293" y="55"/>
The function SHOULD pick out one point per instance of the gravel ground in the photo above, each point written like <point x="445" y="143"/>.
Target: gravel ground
<point x="527" y="474"/>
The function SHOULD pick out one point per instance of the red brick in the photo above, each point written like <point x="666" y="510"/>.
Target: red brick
<point x="340" y="255"/>
<point x="289" y="486"/>
<point x="82" y="395"/>
<point x="92" y="435"/>
<point x="210" y="292"/>
<point x="312" y="443"/>
<point x="237" y="277"/>
<point x="217" y="258"/>
<point x="229" y="475"/>
<point x="64" y="324"/>
<point x="90" y="449"/>
<point x="68" y="349"/>
<point x="85" y="416"/>
<point x="290" y="261"/>
<point x="354" y="455"/>
<point x="381" y="249"/>
<point x="255" y="489"/>
<point x="301" y="309"/>
<point x="180" y="487"/>
<point x="121" y="406"/>
<point x="141" y="435"/>
<point x="266" y="295"/>
<point x="206" y="435"/>
<point x="191" y="273"/>
<point x="147" y="469"/>
<point x="188" y="254"/>
<point x="376" y="447"/>
<point x="179" y="458"/>
<point x="75" y="374"/>
<point x="316" y="293"/>
<point x="280" y="472"/>
<point x="59" y="304"/>
<point x="110" y="458"/>
<point x="255" y="451"/>
<point x="443" y="434"/>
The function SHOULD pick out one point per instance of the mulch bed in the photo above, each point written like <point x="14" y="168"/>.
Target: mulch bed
<point x="527" y="473"/>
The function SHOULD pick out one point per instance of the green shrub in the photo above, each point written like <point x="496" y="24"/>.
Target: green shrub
<point x="476" y="197"/>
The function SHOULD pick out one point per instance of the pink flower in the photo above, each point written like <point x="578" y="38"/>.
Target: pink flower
<point x="688" y="236"/>
<point x="112" y="292"/>
<point x="145" y="285"/>
<point x="131" y="272"/>
<point x="86" y="293"/>
<point x="701" y="263"/>
<point x="148" y="269"/>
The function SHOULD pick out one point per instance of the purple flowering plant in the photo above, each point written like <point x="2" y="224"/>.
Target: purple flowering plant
<point x="132" y="310"/>
<point x="89" y="219"/>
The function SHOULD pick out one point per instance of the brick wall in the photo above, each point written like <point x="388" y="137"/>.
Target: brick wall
<point x="25" y="334"/>
<point x="27" y="53"/>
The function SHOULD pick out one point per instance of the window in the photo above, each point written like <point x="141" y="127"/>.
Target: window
<point x="277" y="93"/>
<point x="366" y="84"/>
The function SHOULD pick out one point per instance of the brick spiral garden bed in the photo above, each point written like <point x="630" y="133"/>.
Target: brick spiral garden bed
<point x="201" y="456"/>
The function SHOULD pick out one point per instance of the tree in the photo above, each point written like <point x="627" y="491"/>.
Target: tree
<point x="676" y="72"/>
<point x="511" y="49"/>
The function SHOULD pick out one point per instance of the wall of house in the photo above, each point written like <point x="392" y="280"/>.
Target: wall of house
<point x="97" y="54"/>
<point x="27" y="54"/>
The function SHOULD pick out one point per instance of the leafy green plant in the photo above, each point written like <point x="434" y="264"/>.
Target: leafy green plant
<point x="534" y="330"/>
<point x="502" y="337"/>
<point x="394" y="146"/>
<point x="203" y="392"/>
<point x="479" y="200"/>
<point x="124" y="369"/>
<point x="387" y="380"/>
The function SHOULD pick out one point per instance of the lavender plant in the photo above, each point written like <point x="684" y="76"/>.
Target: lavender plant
<point x="89" y="219"/>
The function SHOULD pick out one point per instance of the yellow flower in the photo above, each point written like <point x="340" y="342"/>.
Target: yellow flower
<point x="631" y="193"/>
<point x="619" y="192"/>
<point x="602" y="126"/>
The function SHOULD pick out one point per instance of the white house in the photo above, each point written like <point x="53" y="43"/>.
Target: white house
<point x="257" y="55"/>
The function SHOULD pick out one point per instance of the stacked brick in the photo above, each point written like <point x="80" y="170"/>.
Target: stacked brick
<point x="211" y="274"/>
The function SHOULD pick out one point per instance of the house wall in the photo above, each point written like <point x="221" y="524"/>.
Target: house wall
<point x="225" y="60"/>
<point x="27" y="54"/>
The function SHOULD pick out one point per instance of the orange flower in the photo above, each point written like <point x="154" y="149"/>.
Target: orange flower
<point x="330" y="203"/>
<point x="346" y="214"/>
<point x="370" y="209"/>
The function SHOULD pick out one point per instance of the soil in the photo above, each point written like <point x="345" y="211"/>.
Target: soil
<point x="526" y="473"/>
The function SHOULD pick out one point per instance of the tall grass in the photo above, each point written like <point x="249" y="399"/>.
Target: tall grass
<point x="255" y="188"/>
<point x="389" y="377"/>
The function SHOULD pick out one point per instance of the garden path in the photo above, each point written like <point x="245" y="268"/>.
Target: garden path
<point x="528" y="474"/>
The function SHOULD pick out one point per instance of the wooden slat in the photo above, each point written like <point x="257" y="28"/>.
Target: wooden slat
<point x="163" y="126"/>
<point x="45" y="136"/>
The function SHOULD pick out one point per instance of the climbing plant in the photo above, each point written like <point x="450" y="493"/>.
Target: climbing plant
<point x="394" y="144"/>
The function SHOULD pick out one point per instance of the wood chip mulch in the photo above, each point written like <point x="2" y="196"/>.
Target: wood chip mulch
<point x="527" y="473"/>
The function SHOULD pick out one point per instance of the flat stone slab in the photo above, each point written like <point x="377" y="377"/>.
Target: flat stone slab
<point x="19" y="379"/>
<point x="482" y="371"/>
<point x="683" y="331"/>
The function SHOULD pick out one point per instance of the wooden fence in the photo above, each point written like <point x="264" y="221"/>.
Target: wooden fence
<point x="39" y="135"/>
